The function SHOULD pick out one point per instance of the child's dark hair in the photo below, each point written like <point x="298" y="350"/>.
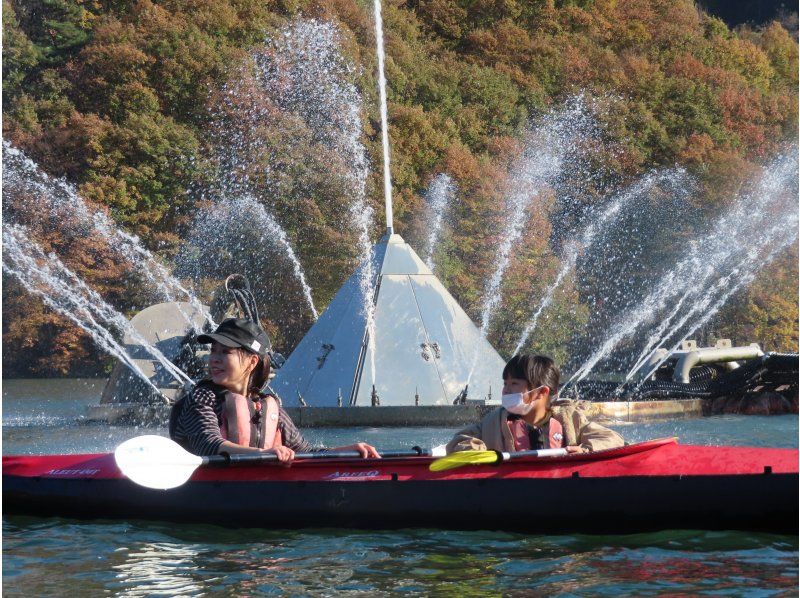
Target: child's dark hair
<point x="538" y="370"/>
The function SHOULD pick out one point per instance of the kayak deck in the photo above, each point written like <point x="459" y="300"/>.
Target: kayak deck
<point x="647" y="486"/>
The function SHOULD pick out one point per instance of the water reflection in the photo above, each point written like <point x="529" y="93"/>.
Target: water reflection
<point x="58" y="556"/>
<point x="157" y="568"/>
<point x="726" y="573"/>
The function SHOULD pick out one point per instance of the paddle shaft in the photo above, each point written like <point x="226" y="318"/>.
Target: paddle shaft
<point x="251" y="458"/>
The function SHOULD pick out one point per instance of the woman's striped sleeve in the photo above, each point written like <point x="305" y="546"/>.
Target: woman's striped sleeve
<point x="292" y="437"/>
<point x="200" y="424"/>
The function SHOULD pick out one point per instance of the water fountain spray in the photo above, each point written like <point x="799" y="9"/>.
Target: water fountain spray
<point x="772" y="241"/>
<point x="594" y="232"/>
<point x="63" y="204"/>
<point x="237" y="227"/>
<point x="306" y="74"/>
<point x="64" y="292"/>
<point x="738" y="279"/>
<point x="440" y="193"/>
<point x="288" y="76"/>
<point x="387" y="176"/>
<point x="740" y="241"/>
<point x="556" y="136"/>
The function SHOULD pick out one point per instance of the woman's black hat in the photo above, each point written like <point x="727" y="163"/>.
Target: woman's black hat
<point x="239" y="332"/>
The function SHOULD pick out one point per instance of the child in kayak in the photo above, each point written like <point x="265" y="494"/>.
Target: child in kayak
<point x="532" y="418"/>
<point x="228" y="413"/>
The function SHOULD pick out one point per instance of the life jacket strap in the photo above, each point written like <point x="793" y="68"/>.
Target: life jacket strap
<point x="270" y="417"/>
<point x="555" y="434"/>
<point x="236" y="417"/>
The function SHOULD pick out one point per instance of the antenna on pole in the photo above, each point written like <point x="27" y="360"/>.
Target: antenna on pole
<point x="387" y="173"/>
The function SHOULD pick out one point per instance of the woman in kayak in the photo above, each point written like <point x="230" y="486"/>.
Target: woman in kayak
<point x="228" y="413"/>
<point x="532" y="418"/>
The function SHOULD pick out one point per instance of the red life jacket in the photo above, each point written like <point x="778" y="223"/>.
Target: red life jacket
<point x="519" y="432"/>
<point x="251" y="422"/>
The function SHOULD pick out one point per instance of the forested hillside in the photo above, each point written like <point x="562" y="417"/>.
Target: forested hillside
<point x="125" y="99"/>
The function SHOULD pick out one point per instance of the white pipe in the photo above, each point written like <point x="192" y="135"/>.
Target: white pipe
<point x="712" y="355"/>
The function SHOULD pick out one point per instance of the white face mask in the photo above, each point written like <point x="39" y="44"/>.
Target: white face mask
<point x="515" y="403"/>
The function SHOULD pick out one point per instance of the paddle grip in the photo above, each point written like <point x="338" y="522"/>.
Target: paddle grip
<point x="554" y="452"/>
<point x="504" y="456"/>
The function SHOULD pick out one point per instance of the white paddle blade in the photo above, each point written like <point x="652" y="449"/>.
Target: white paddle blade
<point x="155" y="462"/>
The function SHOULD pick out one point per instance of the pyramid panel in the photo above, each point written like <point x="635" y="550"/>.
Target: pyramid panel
<point x="402" y="362"/>
<point x="464" y="355"/>
<point x="401" y="259"/>
<point x="323" y="365"/>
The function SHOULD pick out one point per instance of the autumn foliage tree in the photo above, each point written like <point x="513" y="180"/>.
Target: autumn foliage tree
<point x="119" y="97"/>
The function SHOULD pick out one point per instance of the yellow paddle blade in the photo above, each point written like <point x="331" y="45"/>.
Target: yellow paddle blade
<point x="463" y="458"/>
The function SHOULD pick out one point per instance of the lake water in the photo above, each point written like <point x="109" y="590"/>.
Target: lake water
<point x="54" y="556"/>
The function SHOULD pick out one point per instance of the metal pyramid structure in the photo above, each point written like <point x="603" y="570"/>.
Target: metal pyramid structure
<point x="425" y="350"/>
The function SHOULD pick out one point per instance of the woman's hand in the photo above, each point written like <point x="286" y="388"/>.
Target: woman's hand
<point x="576" y="449"/>
<point x="365" y="450"/>
<point x="284" y="454"/>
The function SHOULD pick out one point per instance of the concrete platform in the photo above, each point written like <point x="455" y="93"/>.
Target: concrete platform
<point x="422" y="416"/>
<point x="635" y="411"/>
<point x="395" y="416"/>
<point x="457" y="415"/>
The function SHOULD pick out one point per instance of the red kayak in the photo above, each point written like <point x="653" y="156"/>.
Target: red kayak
<point x="642" y="487"/>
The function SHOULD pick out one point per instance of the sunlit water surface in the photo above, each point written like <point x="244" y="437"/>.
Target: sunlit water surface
<point x="45" y="557"/>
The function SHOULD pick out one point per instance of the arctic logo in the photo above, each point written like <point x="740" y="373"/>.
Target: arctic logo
<point x="337" y="475"/>
<point x="72" y="472"/>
